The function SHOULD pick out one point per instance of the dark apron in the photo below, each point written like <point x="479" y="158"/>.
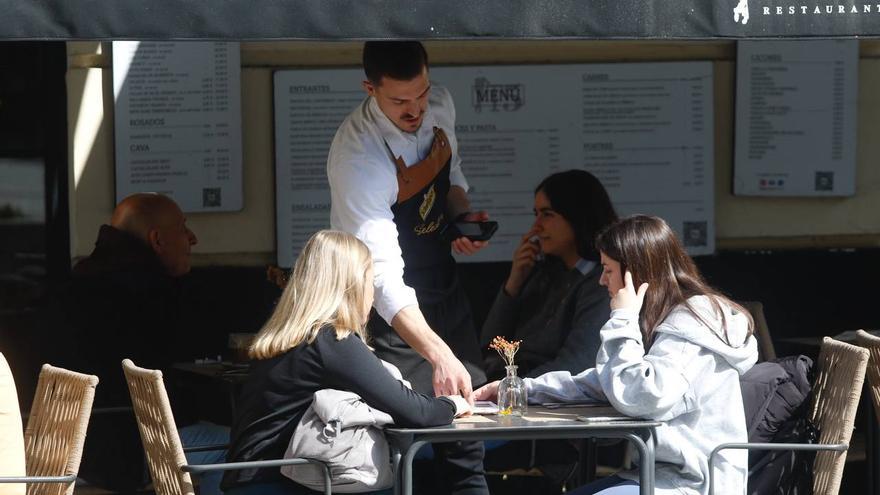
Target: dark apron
<point x="429" y="269"/>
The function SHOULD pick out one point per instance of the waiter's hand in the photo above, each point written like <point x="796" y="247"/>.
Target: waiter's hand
<point x="463" y="245"/>
<point x="451" y="378"/>
<point x="441" y="151"/>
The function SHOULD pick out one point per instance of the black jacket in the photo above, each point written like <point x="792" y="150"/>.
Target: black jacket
<point x="120" y="304"/>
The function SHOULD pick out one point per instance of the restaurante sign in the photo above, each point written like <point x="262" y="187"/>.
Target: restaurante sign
<point x="797" y="18"/>
<point x="822" y="9"/>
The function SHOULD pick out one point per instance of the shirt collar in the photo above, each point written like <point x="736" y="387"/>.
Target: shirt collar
<point x="398" y="140"/>
<point x="584" y="266"/>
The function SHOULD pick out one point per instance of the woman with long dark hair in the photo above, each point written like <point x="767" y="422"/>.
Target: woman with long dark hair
<point x="552" y="300"/>
<point x="673" y="350"/>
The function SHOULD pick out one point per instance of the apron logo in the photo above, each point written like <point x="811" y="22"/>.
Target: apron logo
<point x="427" y="203"/>
<point x="506" y="97"/>
<point x="424" y="210"/>
<point x="430" y="227"/>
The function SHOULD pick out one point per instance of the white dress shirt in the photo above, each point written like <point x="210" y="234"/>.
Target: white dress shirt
<point x="363" y="185"/>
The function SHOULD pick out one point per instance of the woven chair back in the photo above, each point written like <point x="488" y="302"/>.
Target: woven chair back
<point x="836" y="395"/>
<point x="56" y="428"/>
<point x="155" y="421"/>
<point x="872" y="344"/>
<point x="766" y="349"/>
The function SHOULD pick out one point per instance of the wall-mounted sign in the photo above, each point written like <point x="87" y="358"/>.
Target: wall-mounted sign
<point x="178" y="122"/>
<point x="645" y="130"/>
<point x="796" y="118"/>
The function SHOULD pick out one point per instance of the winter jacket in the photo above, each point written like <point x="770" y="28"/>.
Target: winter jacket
<point x="121" y="303"/>
<point x="344" y="432"/>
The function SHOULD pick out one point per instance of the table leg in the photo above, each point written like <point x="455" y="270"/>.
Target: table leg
<point x="407" y="474"/>
<point x="644" y="443"/>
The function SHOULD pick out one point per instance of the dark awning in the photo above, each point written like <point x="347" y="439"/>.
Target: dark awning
<point x="432" y="19"/>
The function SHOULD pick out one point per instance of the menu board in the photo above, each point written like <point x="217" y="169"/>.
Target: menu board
<point x="178" y="122"/>
<point x="796" y="118"/>
<point x="645" y="130"/>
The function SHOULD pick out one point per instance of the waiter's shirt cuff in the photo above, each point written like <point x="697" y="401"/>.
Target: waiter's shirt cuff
<point x="389" y="302"/>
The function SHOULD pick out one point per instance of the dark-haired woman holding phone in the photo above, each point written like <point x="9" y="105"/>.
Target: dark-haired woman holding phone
<point x="552" y="300"/>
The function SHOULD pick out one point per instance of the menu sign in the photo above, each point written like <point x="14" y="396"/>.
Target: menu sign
<point x="178" y="122"/>
<point x="645" y="130"/>
<point x="796" y="118"/>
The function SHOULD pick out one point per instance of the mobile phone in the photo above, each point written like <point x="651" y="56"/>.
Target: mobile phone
<point x="475" y="231"/>
<point x="536" y="241"/>
<point x="485" y="407"/>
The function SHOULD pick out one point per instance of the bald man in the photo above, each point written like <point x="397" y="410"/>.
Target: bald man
<point x="125" y="301"/>
<point x="157" y="223"/>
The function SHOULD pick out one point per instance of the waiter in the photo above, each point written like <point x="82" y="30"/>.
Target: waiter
<point x="395" y="182"/>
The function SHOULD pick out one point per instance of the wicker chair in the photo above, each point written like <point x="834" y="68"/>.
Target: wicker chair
<point x="766" y="350"/>
<point x="872" y="344"/>
<point x="56" y="431"/>
<point x="164" y="452"/>
<point x="836" y="393"/>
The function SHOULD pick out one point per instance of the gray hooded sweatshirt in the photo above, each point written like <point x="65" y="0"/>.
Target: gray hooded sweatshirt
<point x="689" y="379"/>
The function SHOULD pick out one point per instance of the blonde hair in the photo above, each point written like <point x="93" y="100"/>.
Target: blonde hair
<point x="327" y="287"/>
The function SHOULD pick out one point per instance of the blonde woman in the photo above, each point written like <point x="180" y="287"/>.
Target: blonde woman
<point x="315" y="339"/>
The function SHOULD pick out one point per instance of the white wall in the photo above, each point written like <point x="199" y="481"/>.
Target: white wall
<point x="247" y="237"/>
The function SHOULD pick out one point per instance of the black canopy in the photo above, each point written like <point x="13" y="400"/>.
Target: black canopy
<point x="434" y="19"/>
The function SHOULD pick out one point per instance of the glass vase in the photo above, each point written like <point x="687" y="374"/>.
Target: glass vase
<point x="512" y="400"/>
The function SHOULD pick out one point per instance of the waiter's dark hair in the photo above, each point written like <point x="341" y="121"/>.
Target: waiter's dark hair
<point x="401" y="60"/>
<point x="579" y="197"/>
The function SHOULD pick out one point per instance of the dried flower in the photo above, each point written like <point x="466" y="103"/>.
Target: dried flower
<point x="507" y="350"/>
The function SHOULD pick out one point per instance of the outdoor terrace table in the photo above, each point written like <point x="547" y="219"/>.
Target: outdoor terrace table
<point x="539" y="424"/>
<point x="210" y="387"/>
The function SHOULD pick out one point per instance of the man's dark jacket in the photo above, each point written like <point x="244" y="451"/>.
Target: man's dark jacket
<point x="121" y="304"/>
